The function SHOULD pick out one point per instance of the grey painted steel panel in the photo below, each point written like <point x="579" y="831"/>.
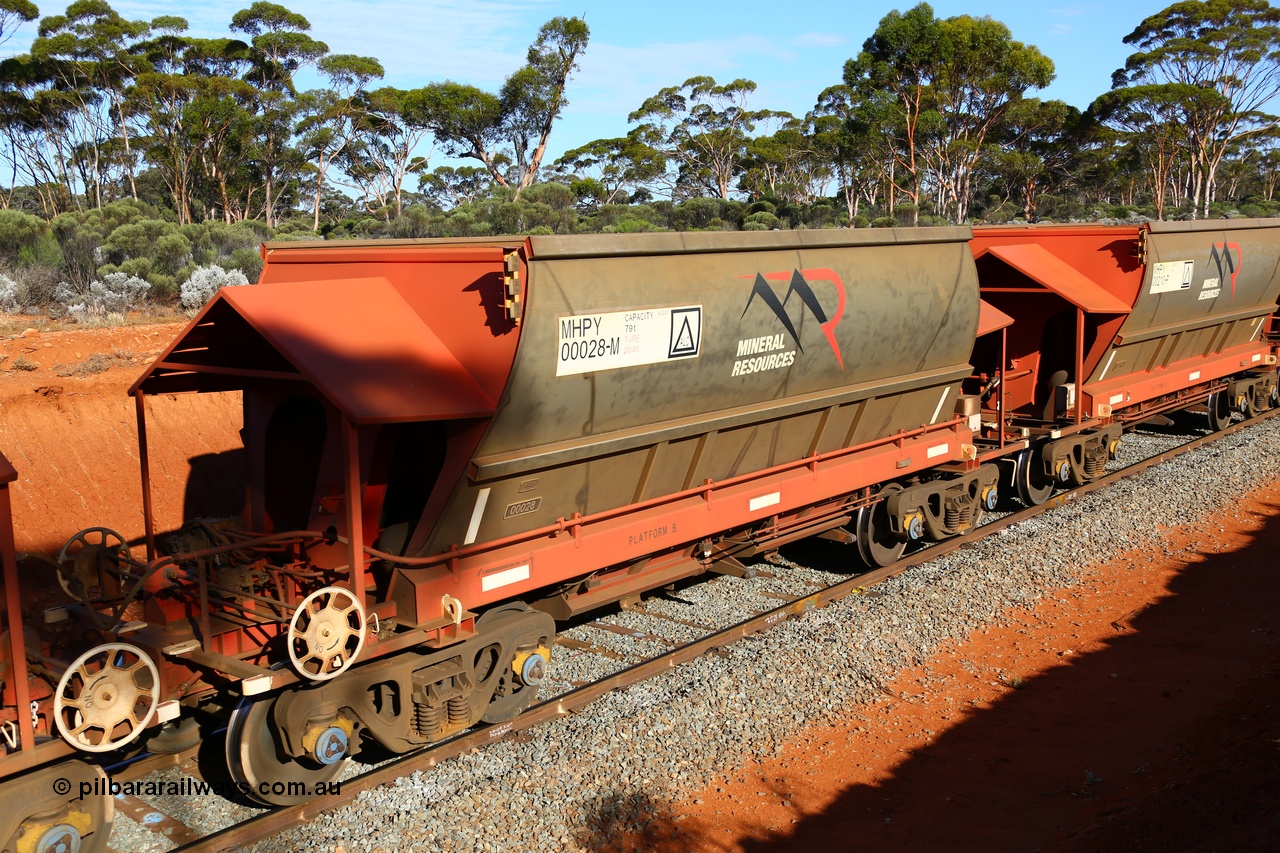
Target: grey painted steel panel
<point x="602" y="439"/>
<point x="1204" y="323"/>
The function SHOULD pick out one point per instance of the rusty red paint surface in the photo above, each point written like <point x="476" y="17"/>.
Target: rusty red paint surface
<point x="991" y="319"/>
<point x="1037" y="263"/>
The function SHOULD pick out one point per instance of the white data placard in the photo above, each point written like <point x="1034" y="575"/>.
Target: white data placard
<point x="1172" y="275"/>
<point x="590" y="342"/>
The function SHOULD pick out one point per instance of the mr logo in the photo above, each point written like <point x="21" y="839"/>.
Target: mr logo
<point x="1227" y="258"/>
<point x="799" y="285"/>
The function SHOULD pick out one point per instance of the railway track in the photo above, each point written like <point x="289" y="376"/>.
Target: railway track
<point x="621" y="667"/>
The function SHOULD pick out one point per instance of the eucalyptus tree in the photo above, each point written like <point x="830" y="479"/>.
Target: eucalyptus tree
<point x="850" y="146"/>
<point x="506" y="132"/>
<point x="36" y="121"/>
<point x="938" y="90"/>
<point x="1216" y="64"/>
<point x="892" y="77"/>
<point x="13" y="14"/>
<point x="334" y="116"/>
<point x="279" y="47"/>
<point x="789" y="164"/>
<point x="385" y="152"/>
<point x="981" y="73"/>
<point x="1153" y="122"/>
<point x="610" y="171"/>
<point x="86" y="53"/>
<point x="1033" y="151"/>
<point x="703" y="128"/>
<point x="448" y="187"/>
<point x="191" y="101"/>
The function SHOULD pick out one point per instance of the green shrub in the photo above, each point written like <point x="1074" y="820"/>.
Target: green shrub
<point x="21" y="233"/>
<point x="140" y="267"/>
<point x="172" y="252"/>
<point x="247" y="261"/>
<point x="762" y="218"/>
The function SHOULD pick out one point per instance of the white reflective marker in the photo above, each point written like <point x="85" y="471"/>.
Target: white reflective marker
<point x="504" y="578"/>
<point x="476" y="514"/>
<point x="765" y="500"/>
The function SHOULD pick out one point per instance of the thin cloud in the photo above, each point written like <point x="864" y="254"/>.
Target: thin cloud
<point x="819" y="40"/>
<point x="616" y="79"/>
<point x="417" y="41"/>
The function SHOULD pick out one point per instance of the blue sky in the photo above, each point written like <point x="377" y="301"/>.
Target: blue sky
<point x="792" y="50"/>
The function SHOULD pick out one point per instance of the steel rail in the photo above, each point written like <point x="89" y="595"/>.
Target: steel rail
<point x="279" y="819"/>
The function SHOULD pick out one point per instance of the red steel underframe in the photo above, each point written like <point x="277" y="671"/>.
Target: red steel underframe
<point x="578" y="546"/>
<point x="1132" y="389"/>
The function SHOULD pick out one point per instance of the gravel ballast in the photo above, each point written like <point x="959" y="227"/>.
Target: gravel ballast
<point x="634" y="753"/>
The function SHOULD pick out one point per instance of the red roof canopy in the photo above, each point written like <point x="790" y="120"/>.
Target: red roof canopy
<point x="356" y="340"/>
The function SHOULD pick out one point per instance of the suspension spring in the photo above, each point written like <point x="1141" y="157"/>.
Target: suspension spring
<point x="459" y="711"/>
<point x="426" y="719"/>
<point x="958" y="515"/>
<point x="1094" y="462"/>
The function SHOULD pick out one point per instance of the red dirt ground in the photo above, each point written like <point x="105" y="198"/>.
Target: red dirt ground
<point x="72" y="435"/>
<point x="1139" y="710"/>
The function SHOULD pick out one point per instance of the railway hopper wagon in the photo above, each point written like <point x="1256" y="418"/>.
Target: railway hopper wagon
<point x="1105" y="326"/>
<point x="452" y="444"/>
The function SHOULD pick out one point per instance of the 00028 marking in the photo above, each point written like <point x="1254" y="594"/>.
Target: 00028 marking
<point x="592" y="348"/>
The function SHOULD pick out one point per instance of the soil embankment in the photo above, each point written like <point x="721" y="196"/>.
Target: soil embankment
<point x="68" y="425"/>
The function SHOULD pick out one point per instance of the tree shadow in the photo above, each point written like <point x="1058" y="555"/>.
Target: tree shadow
<point x="633" y="822"/>
<point x="1166" y="738"/>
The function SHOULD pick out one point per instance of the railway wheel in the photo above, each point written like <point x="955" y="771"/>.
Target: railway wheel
<point x="1219" y="405"/>
<point x="877" y="545"/>
<point x="1032" y="486"/>
<point x="326" y="633"/>
<point x="106" y="697"/>
<point x="49" y="811"/>
<point x="259" y="764"/>
<point x="526" y="665"/>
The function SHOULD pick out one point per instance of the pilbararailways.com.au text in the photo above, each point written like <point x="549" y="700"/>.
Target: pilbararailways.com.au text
<point x="188" y="787"/>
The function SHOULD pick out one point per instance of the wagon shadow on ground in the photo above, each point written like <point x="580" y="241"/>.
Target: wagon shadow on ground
<point x="1167" y="738"/>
